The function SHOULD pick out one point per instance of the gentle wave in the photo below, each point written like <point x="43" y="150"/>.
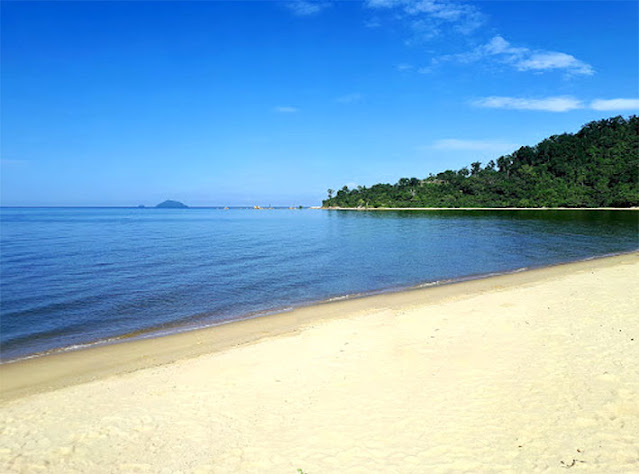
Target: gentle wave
<point x="179" y="329"/>
<point x="74" y="278"/>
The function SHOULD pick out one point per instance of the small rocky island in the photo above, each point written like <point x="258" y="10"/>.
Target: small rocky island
<point x="168" y="204"/>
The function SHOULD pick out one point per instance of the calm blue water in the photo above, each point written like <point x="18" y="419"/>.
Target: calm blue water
<point x="76" y="276"/>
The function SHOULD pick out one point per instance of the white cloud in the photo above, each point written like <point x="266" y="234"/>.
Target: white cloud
<point x="286" y="109"/>
<point x="615" y="104"/>
<point x="428" y="17"/>
<point x="544" y="61"/>
<point x="548" y="104"/>
<point x="306" y="7"/>
<point x="555" y="104"/>
<point x="349" y="98"/>
<point x="499" y="45"/>
<point x="384" y="3"/>
<point x="423" y="29"/>
<point x="488" y="146"/>
<point x="523" y="59"/>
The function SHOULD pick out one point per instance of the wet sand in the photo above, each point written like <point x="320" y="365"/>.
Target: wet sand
<point x="530" y="372"/>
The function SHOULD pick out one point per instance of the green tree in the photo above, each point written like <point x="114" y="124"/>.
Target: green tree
<point x="597" y="166"/>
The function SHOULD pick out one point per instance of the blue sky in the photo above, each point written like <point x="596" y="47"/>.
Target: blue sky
<point x="264" y="102"/>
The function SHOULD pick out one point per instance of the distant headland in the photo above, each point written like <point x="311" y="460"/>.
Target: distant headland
<point x="597" y="167"/>
<point x="168" y="204"/>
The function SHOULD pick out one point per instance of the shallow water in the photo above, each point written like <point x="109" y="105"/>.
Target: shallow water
<point x="77" y="276"/>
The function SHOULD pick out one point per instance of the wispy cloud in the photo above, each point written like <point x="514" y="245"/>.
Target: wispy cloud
<point x="372" y="23"/>
<point x="488" y="146"/>
<point x="549" y="60"/>
<point x="285" y="109"/>
<point x="522" y="58"/>
<point x="555" y="104"/>
<point x="549" y="104"/>
<point x="306" y="7"/>
<point x="350" y="98"/>
<point x="428" y="18"/>
<point x="405" y="67"/>
<point x="615" y="104"/>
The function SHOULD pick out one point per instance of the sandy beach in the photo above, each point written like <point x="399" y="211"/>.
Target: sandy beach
<point x="536" y="371"/>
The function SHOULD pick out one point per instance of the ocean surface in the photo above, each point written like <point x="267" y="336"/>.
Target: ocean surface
<point x="72" y="277"/>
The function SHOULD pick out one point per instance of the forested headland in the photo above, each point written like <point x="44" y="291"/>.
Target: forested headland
<point x="595" y="167"/>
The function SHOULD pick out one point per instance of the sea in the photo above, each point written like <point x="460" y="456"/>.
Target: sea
<point x="76" y="277"/>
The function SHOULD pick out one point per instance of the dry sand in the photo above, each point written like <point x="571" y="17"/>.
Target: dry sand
<point x="532" y="372"/>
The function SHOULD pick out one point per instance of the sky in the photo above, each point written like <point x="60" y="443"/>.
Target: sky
<point x="266" y="102"/>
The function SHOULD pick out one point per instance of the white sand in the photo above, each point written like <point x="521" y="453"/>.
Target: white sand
<point x="532" y="372"/>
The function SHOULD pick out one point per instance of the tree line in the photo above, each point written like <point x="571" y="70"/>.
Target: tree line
<point x="595" y="167"/>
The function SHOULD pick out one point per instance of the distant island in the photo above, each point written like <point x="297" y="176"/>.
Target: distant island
<point x="595" y="167"/>
<point x="168" y="204"/>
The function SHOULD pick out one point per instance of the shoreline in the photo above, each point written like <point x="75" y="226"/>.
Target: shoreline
<point x="42" y="372"/>
<point x="289" y="208"/>
<point x="528" y="372"/>
<point x="480" y="208"/>
<point x="161" y="332"/>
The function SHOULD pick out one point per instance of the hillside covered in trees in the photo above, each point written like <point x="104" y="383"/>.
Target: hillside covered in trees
<point x="595" y="167"/>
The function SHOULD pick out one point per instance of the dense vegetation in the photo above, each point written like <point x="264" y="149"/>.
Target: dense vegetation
<point x="595" y="167"/>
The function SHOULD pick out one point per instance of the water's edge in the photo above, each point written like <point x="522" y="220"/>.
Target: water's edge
<point x="153" y="333"/>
